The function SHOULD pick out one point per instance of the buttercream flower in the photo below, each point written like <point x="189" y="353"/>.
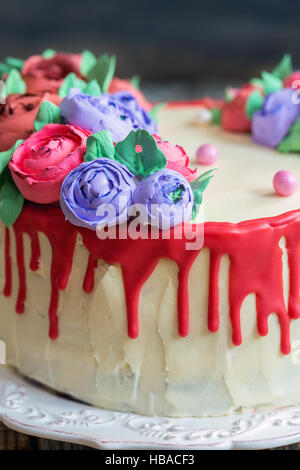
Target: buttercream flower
<point x="234" y="117"/>
<point x="119" y="113"/>
<point x="290" y="80"/>
<point x="177" y="158"/>
<point x="40" y="164"/>
<point x="271" y="124"/>
<point x="47" y="74"/>
<point x="17" y="116"/>
<point x="97" y="192"/>
<point x="167" y="199"/>
<point x="117" y="84"/>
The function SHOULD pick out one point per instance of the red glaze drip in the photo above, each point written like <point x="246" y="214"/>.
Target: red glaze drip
<point x="252" y="246"/>
<point x="35" y="253"/>
<point x="89" y="278"/>
<point x="7" y="257"/>
<point x="208" y="103"/>
<point x="62" y="237"/>
<point x="213" y="295"/>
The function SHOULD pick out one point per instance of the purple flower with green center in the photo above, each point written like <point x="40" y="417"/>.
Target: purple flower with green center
<point x="97" y="192"/>
<point x="279" y="112"/>
<point x="164" y="199"/>
<point x="119" y="113"/>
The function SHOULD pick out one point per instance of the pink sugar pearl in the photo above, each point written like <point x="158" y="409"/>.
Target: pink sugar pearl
<point x="285" y="183"/>
<point x="207" y="154"/>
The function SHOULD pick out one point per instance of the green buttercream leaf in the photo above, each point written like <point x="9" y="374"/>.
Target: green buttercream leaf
<point x="4" y="68"/>
<point x="228" y="96"/>
<point x="284" y="68"/>
<point x="88" y="60"/>
<point x="145" y="162"/>
<point x="92" y="88"/>
<point x="5" y="157"/>
<point x="215" y="115"/>
<point x="291" y="143"/>
<point x="99" y="145"/>
<point x="271" y="83"/>
<point x="155" y="111"/>
<point x="198" y="186"/>
<point x="257" y="82"/>
<point x="10" y="63"/>
<point x="11" y="201"/>
<point x="48" y="53"/>
<point x="254" y="103"/>
<point x="70" y="81"/>
<point x="14" y="63"/>
<point x="135" y="81"/>
<point x="14" y="83"/>
<point x="176" y="195"/>
<point x="103" y="71"/>
<point x="48" y="113"/>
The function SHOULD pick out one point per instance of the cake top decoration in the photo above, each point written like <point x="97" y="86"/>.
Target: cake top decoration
<point x="47" y="72"/>
<point x="117" y="112"/>
<point x="268" y="107"/>
<point x="75" y="136"/>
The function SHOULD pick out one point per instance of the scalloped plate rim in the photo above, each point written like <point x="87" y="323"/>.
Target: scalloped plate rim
<point x="22" y="387"/>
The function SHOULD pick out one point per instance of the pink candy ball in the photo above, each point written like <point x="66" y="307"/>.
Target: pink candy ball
<point x="285" y="183"/>
<point x="207" y="154"/>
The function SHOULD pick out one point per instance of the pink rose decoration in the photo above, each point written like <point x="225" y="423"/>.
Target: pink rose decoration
<point x="234" y="117"/>
<point x="177" y="158"/>
<point x="42" y="74"/>
<point x="40" y="164"/>
<point x="288" y="81"/>
<point x="117" y="84"/>
<point x="17" y="116"/>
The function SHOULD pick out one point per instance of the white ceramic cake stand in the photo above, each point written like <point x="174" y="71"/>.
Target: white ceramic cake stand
<point x="32" y="409"/>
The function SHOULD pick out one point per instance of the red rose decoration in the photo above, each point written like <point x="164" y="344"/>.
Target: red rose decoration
<point x="42" y="74"/>
<point x="177" y="158"/>
<point x="234" y="117"/>
<point x="40" y="164"/>
<point x="17" y="117"/>
<point x="117" y="84"/>
<point x="288" y="81"/>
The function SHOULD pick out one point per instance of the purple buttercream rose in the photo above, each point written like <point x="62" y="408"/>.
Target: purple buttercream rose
<point x="97" y="192"/>
<point x="271" y="124"/>
<point x="165" y="199"/>
<point x="119" y="113"/>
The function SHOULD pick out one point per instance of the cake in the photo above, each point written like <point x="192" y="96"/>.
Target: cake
<point x="198" y="320"/>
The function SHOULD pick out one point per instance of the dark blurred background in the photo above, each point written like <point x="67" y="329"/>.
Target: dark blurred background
<point x="205" y="44"/>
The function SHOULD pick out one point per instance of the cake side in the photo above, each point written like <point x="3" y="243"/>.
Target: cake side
<point x="129" y="292"/>
<point x="91" y="355"/>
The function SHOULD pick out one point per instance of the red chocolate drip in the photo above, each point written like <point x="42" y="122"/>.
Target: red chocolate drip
<point x="253" y="249"/>
<point x="62" y="237"/>
<point x="35" y="252"/>
<point x="7" y="257"/>
<point x="21" y="270"/>
<point x="89" y="278"/>
<point x="213" y="295"/>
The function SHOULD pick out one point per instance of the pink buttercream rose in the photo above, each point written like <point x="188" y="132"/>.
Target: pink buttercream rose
<point x="40" y="164"/>
<point x="234" y="117"/>
<point x="17" y="116"/>
<point x="42" y="74"/>
<point x="292" y="79"/>
<point x="177" y="158"/>
<point x="117" y="84"/>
